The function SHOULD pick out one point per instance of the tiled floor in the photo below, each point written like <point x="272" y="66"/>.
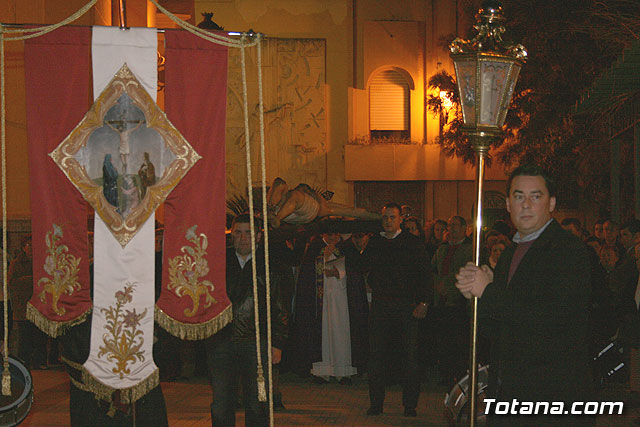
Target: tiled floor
<point x="307" y="404"/>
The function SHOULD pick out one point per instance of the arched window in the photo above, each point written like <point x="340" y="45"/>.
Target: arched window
<point x="389" y="105"/>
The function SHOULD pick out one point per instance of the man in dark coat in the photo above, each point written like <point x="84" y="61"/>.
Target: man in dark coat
<point x="231" y="353"/>
<point x="401" y="294"/>
<point x="536" y="305"/>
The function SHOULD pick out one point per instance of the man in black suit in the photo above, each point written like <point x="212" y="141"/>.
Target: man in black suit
<point x="536" y="307"/>
<point x="401" y="293"/>
<point x="231" y="353"/>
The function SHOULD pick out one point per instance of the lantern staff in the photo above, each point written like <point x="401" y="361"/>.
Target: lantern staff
<point x="487" y="69"/>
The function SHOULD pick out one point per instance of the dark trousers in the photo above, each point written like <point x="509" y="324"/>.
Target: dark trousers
<point x="86" y="411"/>
<point x="452" y="342"/>
<point x="383" y="329"/>
<point x="32" y="344"/>
<point x="228" y="360"/>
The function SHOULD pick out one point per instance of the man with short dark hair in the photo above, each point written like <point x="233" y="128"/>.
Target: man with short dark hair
<point x="630" y="234"/>
<point x="536" y="306"/>
<point x="399" y="280"/>
<point x="231" y="353"/>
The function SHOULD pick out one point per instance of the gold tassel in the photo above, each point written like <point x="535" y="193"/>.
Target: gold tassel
<point x="6" y="382"/>
<point x="262" y="390"/>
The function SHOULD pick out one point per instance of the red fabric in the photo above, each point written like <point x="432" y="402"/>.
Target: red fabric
<point x="518" y="254"/>
<point x="57" y="73"/>
<point x="195" y="102"/>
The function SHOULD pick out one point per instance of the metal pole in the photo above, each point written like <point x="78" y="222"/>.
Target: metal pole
<point x="481" y="151"/>
<point x="122" y="11"/>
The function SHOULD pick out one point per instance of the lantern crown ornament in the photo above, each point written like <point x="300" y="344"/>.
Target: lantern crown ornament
<point x="487" y="69"/>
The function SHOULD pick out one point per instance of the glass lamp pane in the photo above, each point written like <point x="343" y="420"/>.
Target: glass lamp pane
<point x="493" y="84"/>
<point x="512" y="79"/>
<point x="466" y="75"/>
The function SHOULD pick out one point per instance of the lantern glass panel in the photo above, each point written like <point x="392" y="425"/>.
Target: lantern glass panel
<point x="466" y="75"/>
<point x="493" y="84"/>
<point x="512" y="79"/>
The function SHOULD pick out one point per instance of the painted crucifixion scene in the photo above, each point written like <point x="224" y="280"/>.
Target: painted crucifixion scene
<point x="125" y="156"/>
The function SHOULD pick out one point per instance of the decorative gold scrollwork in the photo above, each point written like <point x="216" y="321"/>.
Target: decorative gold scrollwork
<point x="124" y="340"/>
<point x="186" y="270"/>
<point x="62" y="269"/>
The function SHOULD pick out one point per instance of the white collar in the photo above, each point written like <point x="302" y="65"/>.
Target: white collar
<point x="384" y="234"/>
<point x="532" y="236"/>
<point x="243" y="260"/>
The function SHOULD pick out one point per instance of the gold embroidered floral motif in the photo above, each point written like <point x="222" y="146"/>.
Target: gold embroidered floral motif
<point x="123" y="342"/>
<point x="63" y="269"/>
<point x="186" y="270"/>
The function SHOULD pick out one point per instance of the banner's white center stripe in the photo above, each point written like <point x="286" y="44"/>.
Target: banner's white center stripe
<point x="121" y="353"/>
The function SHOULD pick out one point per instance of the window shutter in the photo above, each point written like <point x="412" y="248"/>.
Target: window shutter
<point x="389" y="101"/>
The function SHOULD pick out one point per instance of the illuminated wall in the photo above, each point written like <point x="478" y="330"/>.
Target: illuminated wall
<point x="316" y="40"/>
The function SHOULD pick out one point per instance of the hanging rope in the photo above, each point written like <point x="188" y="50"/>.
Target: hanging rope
<point x="40" y="31"/>
<point x="262" y="393"/>
<point x="6" y="375"/>
<point x="266" y="223"/>
<point x="242" y="44"/>
<point x="212" y="37"/>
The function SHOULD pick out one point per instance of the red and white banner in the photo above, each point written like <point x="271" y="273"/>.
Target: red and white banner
<point x="57" y="78"/>
<point x="193" y="303"/>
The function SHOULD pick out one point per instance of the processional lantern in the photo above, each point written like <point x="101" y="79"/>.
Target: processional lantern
<point x="487" y="69"/>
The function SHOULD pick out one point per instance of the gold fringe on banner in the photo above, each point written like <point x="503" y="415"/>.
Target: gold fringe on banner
<point x="50" y="327"/>
<point x="127" y="395"/>
<point x="193" y="331"/>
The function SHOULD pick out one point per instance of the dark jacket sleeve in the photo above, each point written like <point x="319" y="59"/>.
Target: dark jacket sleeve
<point x="424" y="276"/>
<point x="279" y="315"/>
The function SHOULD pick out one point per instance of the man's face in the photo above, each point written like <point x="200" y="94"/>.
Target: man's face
<point x="598" y="231"/>
<point x="626" y="238"/>
<point x="412" y="228"/>
<point x="331" y="238"/>
<point x="610" y="232"/>
<point x="438" y="231"/>
<point x="391" y="220"/>
<point x="496" y="251"/>
<point x="241" y="237"/>
<point x="456" y="230"/>
<point x="529" y="204"/>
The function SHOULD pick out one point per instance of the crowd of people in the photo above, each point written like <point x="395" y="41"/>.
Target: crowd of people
<point x="392" y="306"/>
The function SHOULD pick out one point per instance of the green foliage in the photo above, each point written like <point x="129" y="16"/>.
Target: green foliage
<point x="569" y="44"/>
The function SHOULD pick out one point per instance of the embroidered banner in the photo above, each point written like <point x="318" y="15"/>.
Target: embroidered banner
<point x="57" y="79"/>
<point x="193" y="303"/>
<point x="121" y="355"/>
